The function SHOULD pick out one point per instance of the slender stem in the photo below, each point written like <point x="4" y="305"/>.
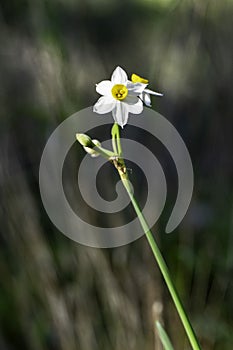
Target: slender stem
<point x="116" y="137"/>
<point x="163" y="268"/>
<point x="119" y="141"/>
<point x="120" y="165"/>
<point x="104" y="152"/>
<point x="114" y="146"/>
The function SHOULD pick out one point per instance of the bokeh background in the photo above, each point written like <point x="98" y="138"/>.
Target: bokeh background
<point x="55" y="293"/>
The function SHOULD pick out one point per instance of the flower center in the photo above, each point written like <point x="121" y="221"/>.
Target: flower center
<point x="136" y="79"/>
<point x="119" y="92"/>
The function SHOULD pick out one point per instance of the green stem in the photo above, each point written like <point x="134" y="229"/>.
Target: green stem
<point x="155" y="249"/>
<point x="114" y="146"/>
<point x="104" y="152"/>
<point x="116" y="138"/>
<point x="119" y="141"/>
<point x="163" y="268"/>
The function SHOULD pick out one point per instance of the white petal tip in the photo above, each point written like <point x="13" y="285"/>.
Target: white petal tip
<point x="158" y="94"/>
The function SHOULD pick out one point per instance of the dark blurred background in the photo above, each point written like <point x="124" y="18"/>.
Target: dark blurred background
<point x="55" y="293"/>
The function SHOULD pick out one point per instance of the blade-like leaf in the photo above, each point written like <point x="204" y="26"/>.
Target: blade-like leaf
<point x="164" y="337"/>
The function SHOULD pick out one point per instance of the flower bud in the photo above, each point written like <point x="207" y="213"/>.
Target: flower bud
<point x="91" y="151"/>
<point x="84" y="140"/>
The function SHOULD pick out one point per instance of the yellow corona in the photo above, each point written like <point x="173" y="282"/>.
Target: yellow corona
<point x="119" y="92"/>
<point x="137" y="79"/>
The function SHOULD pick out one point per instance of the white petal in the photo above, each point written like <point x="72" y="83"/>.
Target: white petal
<point x="130" y="99"/>
<point x="120" y="113"/>
<point x="146" y="99"/>
<point x="104" y="87"/>
<point x="91" y="151"/>
<point x="119" y="76"/>
<point x="104" y="105"/>
<point x="135" y="88"/>
<point x="136" y="108"/>
<point x="153" y="92"/>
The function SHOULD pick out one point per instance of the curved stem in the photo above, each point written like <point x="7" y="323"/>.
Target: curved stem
<point x="120" y="166"/>
<point x="163" y="268"/>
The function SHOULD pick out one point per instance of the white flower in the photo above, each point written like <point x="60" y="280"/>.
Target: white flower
<point x="119" y="96"/>
<point x="145" y="95"/>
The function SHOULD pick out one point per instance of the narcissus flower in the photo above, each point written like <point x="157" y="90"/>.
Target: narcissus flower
<point x="145" y="95"/>
<point x="119" y="96"/>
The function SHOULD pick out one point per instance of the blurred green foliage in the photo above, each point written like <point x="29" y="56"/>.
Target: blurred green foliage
<point x="54" y="293"/>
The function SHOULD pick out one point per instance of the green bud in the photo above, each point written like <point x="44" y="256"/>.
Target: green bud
<point x="96" y="143"/>
<point x="91" y="151"/>
<point x="84" y="140"/>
